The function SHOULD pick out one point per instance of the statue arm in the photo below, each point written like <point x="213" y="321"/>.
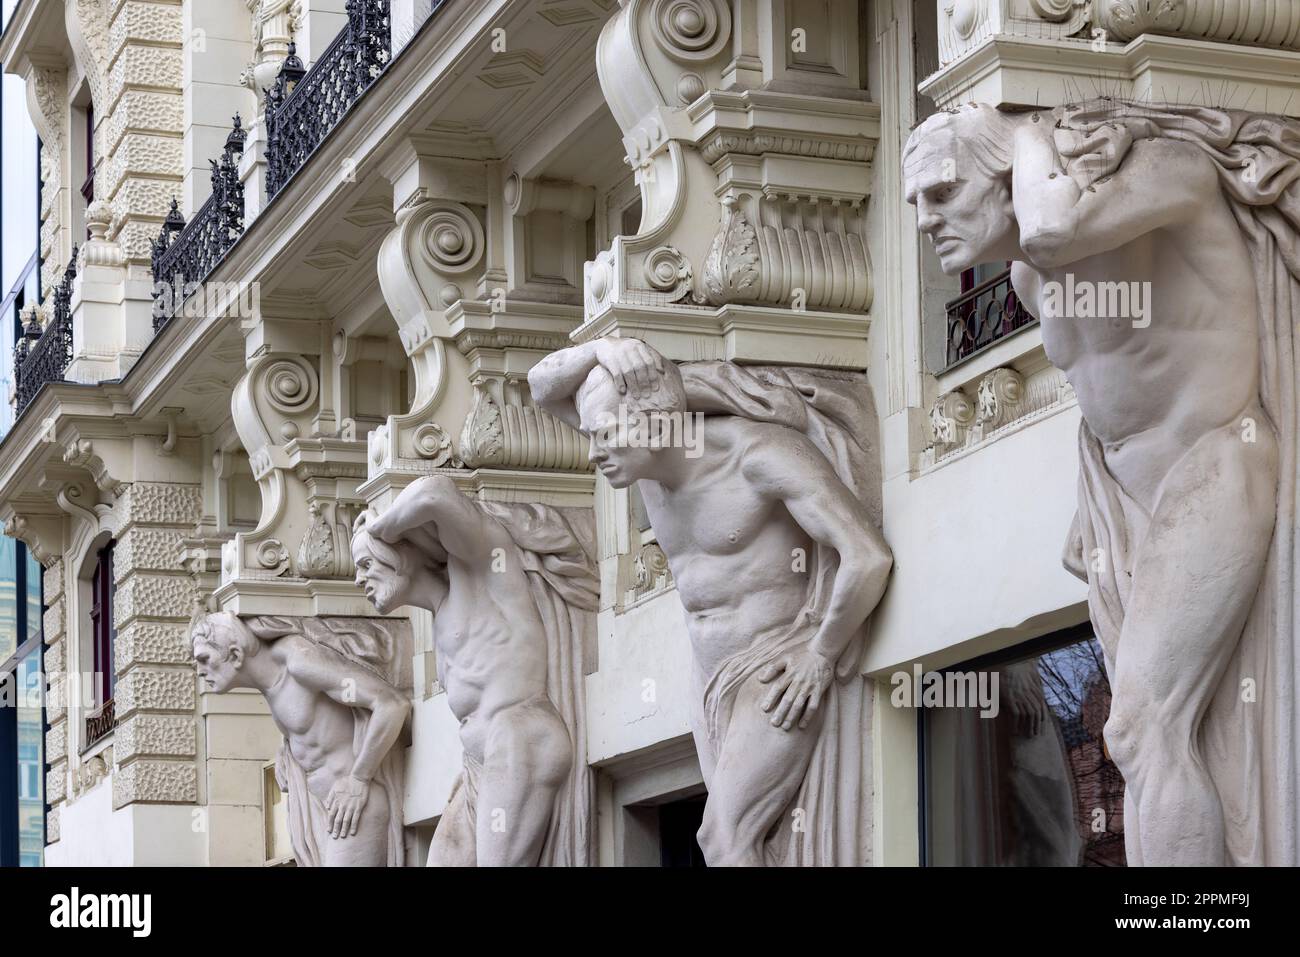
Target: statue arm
<point x="555" y="380"/>
<point x="433" y="509"/>
<point x="1159" y="184"/>
<point x="792" y="470"/>
<point x="356" y="687"/>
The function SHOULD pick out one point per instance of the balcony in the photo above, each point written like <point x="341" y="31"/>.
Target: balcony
<point x="983" y="315"/>
<point x="43" y="355"/>
<point x="304" y="106"/>
<point x="100" y="724"/>
<point x="185" y="254"/>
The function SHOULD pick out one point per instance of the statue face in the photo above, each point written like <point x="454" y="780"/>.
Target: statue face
<point x="621" y="461"/>
<point x="378" y="579"/>
<point x="966" y="212"/>
<point x="218" y="667"/>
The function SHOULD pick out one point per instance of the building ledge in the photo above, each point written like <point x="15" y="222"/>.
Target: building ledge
<point x="1006" y="70"/>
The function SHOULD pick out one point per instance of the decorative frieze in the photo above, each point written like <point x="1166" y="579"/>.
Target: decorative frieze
<point x="999" y="401"/>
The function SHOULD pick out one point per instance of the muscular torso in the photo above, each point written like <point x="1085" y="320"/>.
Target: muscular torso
<point x="731" y="550"/>
<point x="318" y="729"/>
<point x="1149" y="393"/>
<point x="490" y="644"/>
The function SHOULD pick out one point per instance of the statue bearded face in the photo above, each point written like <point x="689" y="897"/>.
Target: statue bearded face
<point x="620" y="461"/>
<point x="964" y="209"/>
<point x="377" y="576"/>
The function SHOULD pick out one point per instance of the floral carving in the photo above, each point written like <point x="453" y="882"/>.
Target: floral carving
<point x="731" y="268"/>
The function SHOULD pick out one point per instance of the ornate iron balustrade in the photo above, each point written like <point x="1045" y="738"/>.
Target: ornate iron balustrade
<point x="43" y="355"/>
<point x="303" y="106"/>
<point x="185" y="254"/>
<point x="984" y="315"/>
<point x="100" y="724"/>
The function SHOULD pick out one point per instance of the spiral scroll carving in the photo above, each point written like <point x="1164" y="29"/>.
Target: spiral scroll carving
<point x="691" y="30"/>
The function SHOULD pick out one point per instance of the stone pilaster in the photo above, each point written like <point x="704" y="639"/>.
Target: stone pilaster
<point x="55" y="666"/>
<point x="155" y="746"/>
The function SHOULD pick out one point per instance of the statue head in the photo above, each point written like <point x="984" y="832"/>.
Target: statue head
<point x="957" y="173"/>
<point x="386" y="572"/>
<point x="222" y="645"/>
<point x="629" y="434"/>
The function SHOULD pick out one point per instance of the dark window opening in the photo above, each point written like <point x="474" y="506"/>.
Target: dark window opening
<point x="679" y="822"/>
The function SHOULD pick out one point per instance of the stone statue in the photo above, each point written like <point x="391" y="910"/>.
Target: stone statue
<point x="778" y="561"/>
<point x="513" y="591"/>
<point x="338" y="689"/>
<point x="1158" y="247"/>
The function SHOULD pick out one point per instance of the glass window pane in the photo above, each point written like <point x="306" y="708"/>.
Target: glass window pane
<point x="1033" y="784"/>
<point x="31" y="747"/>
<point x="35" y="610"/>
<point x="9" y="639"/>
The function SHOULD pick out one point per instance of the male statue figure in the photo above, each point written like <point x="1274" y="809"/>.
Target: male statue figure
<point x="1187" y="396"/>
<point x="330" y="686"/>
<point x="776" y="562"/>
<point x="489" y="574"/>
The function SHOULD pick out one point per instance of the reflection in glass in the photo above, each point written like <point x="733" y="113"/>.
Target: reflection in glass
<point x="9" y="639"/>
<point x="1034" y="785"/>
<point x="31" y="787"/>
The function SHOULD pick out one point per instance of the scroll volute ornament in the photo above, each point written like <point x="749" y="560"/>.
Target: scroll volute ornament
<point x="654" y="58"/>
<point x="272" y="405"/>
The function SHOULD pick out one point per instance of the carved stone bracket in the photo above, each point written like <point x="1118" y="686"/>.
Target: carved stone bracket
<point x="749" y="196"/>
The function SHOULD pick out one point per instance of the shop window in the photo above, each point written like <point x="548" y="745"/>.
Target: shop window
<point x="1032" y="784"/>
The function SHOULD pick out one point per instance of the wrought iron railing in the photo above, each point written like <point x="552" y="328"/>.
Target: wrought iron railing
<point x="303" y="106"/>
<point x="43" y="355"/>
<point x="983" y="315"/>
<point x="100" y="723"/>
<point x="185" y="254"/>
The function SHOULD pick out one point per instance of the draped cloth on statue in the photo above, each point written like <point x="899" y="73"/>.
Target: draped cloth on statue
<point x="388" y="654"/>
<point x="835" y="411"/>
<point x="1249" y="746"/>
<point x="557" y="551"/>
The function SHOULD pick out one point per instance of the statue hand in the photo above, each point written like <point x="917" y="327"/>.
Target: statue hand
<point x="417" y="504"/>
<point x="631" y="363"/>
<point x="344" y="804"/>
<point x="798" y="682"/>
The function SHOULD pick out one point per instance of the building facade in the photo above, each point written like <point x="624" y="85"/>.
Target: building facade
<point x="294" y="256"/>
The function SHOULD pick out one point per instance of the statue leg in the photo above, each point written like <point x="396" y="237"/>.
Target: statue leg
<point x="369" y="846"/>
<point x="453" y="839"/>
<point x="1194" y="580"/>
<point x="526" y="761"/>
<point x="758" y="773"/>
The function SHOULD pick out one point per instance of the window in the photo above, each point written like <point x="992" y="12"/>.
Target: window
<point x="88" y="185"/>
<point x="1032" y="784"/>
<point x="103" y="631"/>
<point x="103" y="635"/>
